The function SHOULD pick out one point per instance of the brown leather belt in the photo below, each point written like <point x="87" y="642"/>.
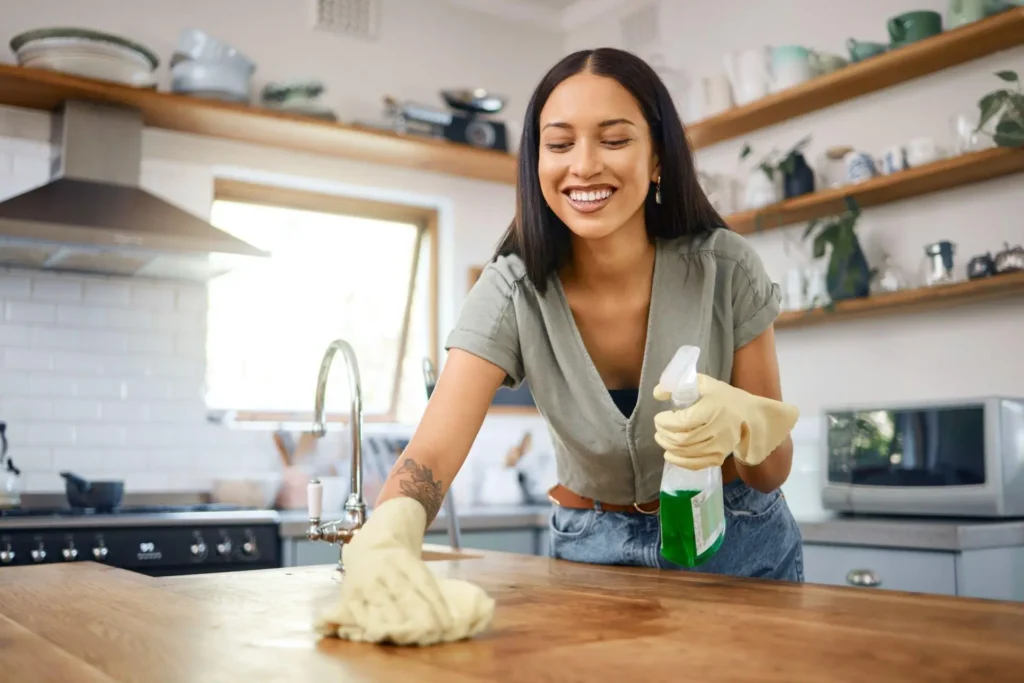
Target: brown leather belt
<point x="559" y="495"/>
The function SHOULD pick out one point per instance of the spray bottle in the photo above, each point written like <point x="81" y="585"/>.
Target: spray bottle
<point x="692" y="512"/>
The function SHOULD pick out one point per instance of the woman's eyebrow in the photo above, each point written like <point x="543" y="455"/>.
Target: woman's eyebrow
<point x="604" y="124"/>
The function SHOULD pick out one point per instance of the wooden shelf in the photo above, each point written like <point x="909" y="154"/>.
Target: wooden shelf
<point x="999" y="32"/>
<point x="45" y="90"/>
<point x="910" y="301"/>
<point x="944" y="174"/>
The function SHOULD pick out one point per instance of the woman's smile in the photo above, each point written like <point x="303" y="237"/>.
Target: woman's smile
<point x="589" y="199"/>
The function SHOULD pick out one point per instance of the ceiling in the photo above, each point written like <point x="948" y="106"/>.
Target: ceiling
<point x="558" y="14"/>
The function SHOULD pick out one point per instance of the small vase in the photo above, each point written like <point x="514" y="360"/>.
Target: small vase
<point x="850" y="278"/>
<point x="801" y="180"/>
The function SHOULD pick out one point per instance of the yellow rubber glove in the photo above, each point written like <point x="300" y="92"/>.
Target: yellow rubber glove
<point x="388" y="594"/>
<point x="723" y="420"/>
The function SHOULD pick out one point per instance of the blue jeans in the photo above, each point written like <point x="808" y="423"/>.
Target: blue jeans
<point x="762" y="540"/>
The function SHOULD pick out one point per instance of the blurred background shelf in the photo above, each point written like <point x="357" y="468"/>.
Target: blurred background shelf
<point x="940" y="175"/>
<point x="45" y="90"/>
<point x="948" y="49"/>
<point x="909" y="301"/>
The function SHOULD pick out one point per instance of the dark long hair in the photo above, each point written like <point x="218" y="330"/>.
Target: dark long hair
<point x="538" y="236"/>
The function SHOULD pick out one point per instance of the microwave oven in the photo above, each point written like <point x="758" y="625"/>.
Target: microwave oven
<point x="950" y="458"/>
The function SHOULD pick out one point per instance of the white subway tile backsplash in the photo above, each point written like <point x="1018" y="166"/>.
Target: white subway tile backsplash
<point x="62" y="289"/>
<point x="154" y="298"/>
<point x="14" y="384"/>
<point x="100" y="387"/>
<point x="51" y="385"/>
<point x="12" y="409"/>
<point x="124" y="411"/>
<point x="54" y="338"/>
<point x="25" y="312"/>
<point x="71" y="409"/>
<point x="178" y="459"/>
<point x="27" y="359"/>
<point x="188" y="412"/>
<point x="132" y="319"/>
<point x="49" y="434"/>
<point x="149" y="342"/>
<point x="141" y="389"/>
<point x="107" y="293"/>
<point x="192" y="299"/>
<point x="80" y="363"/>
<point x="31" y="459"/>
<point x="190" y="345"/>
<point x="81" y="461"/>
<point x="81" y="316"/>
<point x="151" y="435"/>
<point x="15" y="335"/>
<point x="99" y="435"/>
<point x="13" y="286"/>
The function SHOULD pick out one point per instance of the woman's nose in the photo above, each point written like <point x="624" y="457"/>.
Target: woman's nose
<point x="586" y="161"/>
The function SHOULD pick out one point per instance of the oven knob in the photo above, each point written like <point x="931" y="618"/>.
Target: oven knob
<point x="100" y="553"/>
<point x="38" y="554"/>
<point x="70" y="553"/>
<point x="249" y="547"/>
<point x="7" y="555"/>
<point x="224" y="547"/>
<point x="198" y="549"/>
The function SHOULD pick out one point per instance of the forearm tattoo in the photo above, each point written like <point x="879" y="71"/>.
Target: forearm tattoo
<point x="417" y="482"/>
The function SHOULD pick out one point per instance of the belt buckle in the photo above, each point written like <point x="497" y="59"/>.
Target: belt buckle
<point x="636" y="506"/>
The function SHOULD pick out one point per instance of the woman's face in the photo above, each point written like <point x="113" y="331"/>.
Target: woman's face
<point x="596" y="161"/>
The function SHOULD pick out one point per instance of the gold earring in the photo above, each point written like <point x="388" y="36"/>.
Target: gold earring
<point x="657" y="191"/>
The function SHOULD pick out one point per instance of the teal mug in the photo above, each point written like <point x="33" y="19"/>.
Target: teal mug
<point x="913" y="26"/>
<point x="861" y="50"/>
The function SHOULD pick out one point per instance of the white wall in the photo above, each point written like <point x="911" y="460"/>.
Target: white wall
<point x="104" y="375"/>
<point x="958" y="352"/>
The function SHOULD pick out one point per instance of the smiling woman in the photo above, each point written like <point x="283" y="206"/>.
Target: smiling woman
<point x="615" y="259"/>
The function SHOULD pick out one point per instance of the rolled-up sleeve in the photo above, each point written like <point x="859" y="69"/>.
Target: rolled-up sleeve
<point x="487" y="327"/>
<point x="756" y="300"/>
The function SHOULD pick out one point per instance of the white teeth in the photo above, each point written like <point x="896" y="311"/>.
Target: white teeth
<point x="594" y="196"/>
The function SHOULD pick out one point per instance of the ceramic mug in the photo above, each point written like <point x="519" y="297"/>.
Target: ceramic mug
<point x="913" y="26"/>
<point x="922" y="151"/>
<point x="894" y="160"/>
<point x="861" y="50"/>
<point x="859" y="167"/>
<point x="791" y="65"/>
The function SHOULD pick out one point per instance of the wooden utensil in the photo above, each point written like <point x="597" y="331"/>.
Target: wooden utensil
<point x="282" y="448"/>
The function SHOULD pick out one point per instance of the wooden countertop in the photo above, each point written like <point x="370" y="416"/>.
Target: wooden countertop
<point x="555" y="621"/>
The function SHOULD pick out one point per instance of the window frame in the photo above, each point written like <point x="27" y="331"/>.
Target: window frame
<point x="425" y="217"/>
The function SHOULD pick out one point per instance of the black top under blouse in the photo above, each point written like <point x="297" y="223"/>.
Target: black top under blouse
<point x="625" y="399"/>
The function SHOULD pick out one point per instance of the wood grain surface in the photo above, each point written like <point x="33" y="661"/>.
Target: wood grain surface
<point x="555" y="621"/>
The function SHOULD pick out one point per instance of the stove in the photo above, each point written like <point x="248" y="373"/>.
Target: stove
<point x="163" y="540"/>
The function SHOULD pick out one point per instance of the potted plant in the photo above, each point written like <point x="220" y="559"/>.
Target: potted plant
<point x="1009" y="106"/>
<point x="797" y="175"/>
<point x="848" y="275"/>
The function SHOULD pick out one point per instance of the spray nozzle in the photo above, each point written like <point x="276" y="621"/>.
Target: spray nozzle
<point x="680" y="376"/>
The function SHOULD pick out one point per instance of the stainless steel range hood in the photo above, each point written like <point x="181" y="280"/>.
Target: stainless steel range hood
<point x="93" y="217"/>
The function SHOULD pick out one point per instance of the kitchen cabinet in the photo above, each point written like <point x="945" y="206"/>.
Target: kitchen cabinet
<point x="993" y="573"/>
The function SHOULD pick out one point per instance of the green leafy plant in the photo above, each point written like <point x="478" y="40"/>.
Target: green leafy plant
<point x="1009" y="131"/>
<point x="773" y="162"/>
<point x="848" y="273"/>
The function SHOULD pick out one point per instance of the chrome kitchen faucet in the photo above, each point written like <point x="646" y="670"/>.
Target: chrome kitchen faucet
<point x="340" y="531"/>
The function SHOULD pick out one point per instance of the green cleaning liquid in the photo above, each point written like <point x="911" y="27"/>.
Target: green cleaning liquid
<point x="692" y="513"/>
<point x="692" y="525"/>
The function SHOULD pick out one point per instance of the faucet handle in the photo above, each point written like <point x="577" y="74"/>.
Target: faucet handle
<point x="315" y="498"/>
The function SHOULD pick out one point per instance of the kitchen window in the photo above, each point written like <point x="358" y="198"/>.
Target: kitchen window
<point x="359" y="270"/>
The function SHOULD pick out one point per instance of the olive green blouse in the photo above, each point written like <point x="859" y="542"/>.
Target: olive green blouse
<point x="711" y="292"/>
